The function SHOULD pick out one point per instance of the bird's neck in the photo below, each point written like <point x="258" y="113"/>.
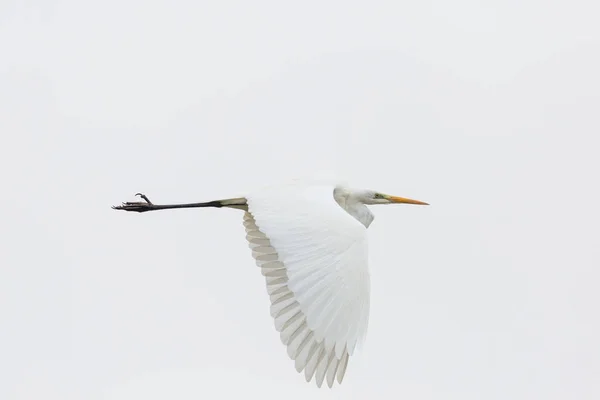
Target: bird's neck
<point x="353" y="206"/>
<point x="359" y="211"/>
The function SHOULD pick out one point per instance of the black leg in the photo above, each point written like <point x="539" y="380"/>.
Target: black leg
<point x="147" y="205"/>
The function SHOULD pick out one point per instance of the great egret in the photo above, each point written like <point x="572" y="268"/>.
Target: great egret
<point x="310" y="242"/>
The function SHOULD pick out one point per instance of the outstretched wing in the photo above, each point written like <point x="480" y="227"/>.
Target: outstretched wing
<point x="314" y="258"/>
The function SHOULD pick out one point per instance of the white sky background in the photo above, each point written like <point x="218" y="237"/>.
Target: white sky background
<point x="489" y="111"/>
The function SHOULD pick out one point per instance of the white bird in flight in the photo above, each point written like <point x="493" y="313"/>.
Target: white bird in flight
<point x="310" y="242"/>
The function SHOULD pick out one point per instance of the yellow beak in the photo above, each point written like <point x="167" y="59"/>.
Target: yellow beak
<point x="395" y="199"/>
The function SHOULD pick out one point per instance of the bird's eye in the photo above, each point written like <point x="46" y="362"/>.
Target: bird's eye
<point x="378" y="196"/>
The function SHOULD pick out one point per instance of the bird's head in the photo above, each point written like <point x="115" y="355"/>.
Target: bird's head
<point x="371" y="197"/>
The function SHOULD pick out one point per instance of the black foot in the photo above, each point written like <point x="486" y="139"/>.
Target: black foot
<point x="139" y="206"/>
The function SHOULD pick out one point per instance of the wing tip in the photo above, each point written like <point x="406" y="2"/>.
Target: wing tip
<point x="323" y="367"/>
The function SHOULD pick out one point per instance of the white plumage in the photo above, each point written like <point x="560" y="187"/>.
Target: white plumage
<point x="314" y="258"/>
<point x="310" y="242"/>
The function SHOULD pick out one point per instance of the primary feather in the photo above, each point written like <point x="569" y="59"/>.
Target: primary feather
<point x="313" y="255"/>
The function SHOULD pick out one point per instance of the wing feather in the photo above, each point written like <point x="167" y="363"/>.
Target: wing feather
<point x="314" y="258"/>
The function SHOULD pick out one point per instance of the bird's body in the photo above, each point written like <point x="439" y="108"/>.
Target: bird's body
<point x="310" y="242"/>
